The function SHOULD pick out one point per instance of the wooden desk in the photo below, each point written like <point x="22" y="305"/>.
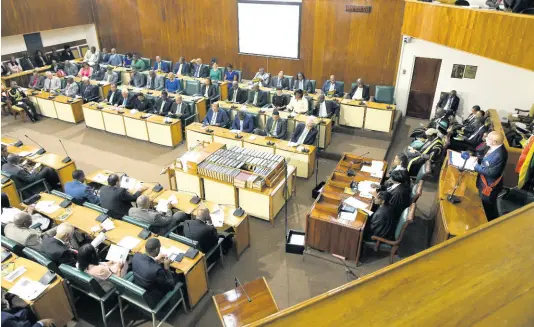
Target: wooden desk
<point x="324" y="230"/>
<point x="59" y="107"/>
<point x="351" y="113"/>
<point x="11" y="191"/>
<point x="113" y="121"/>
<point x="53" y="303"/>
<point x="235" y="310"/>
<point x="8" y="140"/>
<point x="379" y="116"/>
<point x="460" y="218"/>
<point x="194" y="271"/>
<point x="23" y="77"/>
<point x="510" y="177"/>
<point x="168" y="134"/>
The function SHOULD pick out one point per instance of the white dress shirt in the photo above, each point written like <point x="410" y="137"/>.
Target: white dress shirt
<point x="322" y="110"/>
<point x="234" y="99"/>
<point x="207" y="91"/>
<point x="255" y="98"/>
<point x="332" y="87"/>
<point x="178" y="109"/>
<point x="179" y="72"/>
<point x="358" y="94"/>
<point x="111" y="97"/>
<point x="299" y="106"/>
<point x="300" y="85"/>
<point x="214" y="118"/>
<point x="162" y="105"/>
<point x="241" y="125"/>
<point x="303" y="136"/>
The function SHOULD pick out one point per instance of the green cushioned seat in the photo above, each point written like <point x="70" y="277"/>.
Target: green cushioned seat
<point x="12" y="246"/>
<point x="384" y="94"/>
<point x="313" y="84"/>
<point x="41" y="259"/>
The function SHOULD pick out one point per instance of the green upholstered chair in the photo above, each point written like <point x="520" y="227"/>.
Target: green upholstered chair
<point x="194" y="113"/>
<point x="136" y="222"/>
<point x="239" y="74"/>
<point x="216" y="249"/>
<point x="26" y="191"/>
<point x="12" y="246"/>
<point x="63" y="83"/>
<point x="417" y="190"/>
<point x="95" y="207"/>
<point x="222" y="70"/>
<point x="290" y="80"/>
<point x="391" y="246"/>
<point x="41" y="259"/>
<point x="169" y="63"/>
<point x="88" y="285"/>
<point x="148" y="63"/>
<point x="424" y="172"/>
<point x="192" y="87"/>
<point x="314" y="85"/>
<point x="138" y="297"/>
<point x="61" y="194"/>
<point x="384" y="94"/>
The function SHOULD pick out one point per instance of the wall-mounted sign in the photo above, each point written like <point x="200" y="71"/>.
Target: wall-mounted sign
<point x="457" y="71"/>
<point x="360" y="9"/>
<point x="470" y="72"/>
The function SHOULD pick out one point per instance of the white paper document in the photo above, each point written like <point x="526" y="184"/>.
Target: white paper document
<point x="296" y="239"/>
<point x="8" y="214"/>
<point x="129" y="242"/>
<point x="457" y="161"/>
<point x="108" y="224"/>
<point x="348" y="215"/>
<point x="293" y="144"/>
<point x="12" y="276"/>
<point x="252" y="137"/>
<point x="117" y="253"/>
<point x="365" y="188"/>
<point x="27" y="289"/>
<point x="130" y="183"/>
<point x="172" y="199"/>
<point x="162" y="205"/>
<point x="101" y="179"/>
<point x="46" y="206"/>
<point x="217" y="218"/>
<point x="353" y="202"/>
<point x="98" y="240"/>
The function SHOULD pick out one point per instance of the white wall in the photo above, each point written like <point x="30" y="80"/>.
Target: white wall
<point x="496" y="86"/>
<point x="15" y="43"/>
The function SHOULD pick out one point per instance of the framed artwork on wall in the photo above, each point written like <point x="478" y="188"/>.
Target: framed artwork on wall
<point x="470" y="72"/>
<point x="457" y="71"/>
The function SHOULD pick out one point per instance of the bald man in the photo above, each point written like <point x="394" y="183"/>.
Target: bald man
<point x="161" y="66"/>
<point x="332" y="87"/>
<point x="59" y="248"/>
<point x="490" y="169"/>
<point x="162" y="223"/>
<point x="20" y="232"/>
<point x="202" y="231"/>
<point x="305" y="133"/>
<point x="360" y="91"/>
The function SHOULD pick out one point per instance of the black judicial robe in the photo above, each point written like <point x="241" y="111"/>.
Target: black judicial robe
<point x="400" y="200"/>
<point x="381" y="223"/>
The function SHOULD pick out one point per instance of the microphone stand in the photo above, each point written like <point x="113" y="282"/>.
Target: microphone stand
<point x="41" y="150"/>
<point x="454" y="198"/>
<point x="238" y="284"/>
<point x="350" y="171"/>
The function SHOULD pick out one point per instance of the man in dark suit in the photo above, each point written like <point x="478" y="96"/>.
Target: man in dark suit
<point x="202" y="231"/>
<point x="160" y="65"/>
<point x="209" y="91"/>
<point x="26" y="177"/>
<point x="280" y="81"/>
<point x="88" y="91"/>
<point x="449" y="103"/>
<point x="182" y="67"/>
<point x="257" y="97"/>
<point x="80" y="191"/>
<point x="305" y="133"/>
<point x="152" y="271"/>
<point x="323" y="108"/>
<point x="301" y="83"/>
<point x="137" y="79"/>
<point x="472" y="140"/>
<point x="113" y="96"/>
<point x="117" y="199"/>
<point x="180" y="109"/>
<point x="243" y="122"/>
<point x="142" y="103"/>
<point x="360" y="91"/>
<point x="471" y="118"/>
<point x="490" y="169"/>
<point x="330" y="87"/>
<point x="276" y="127"/>
<point x="59" y="248"/>
<point x="22" y="318"/>
<point x="126" y="101"/>
<point x="216" y="117"/>
<point x="237" y="95"/>
<point x="163" y="104"/>
<point x="198" y="69"/>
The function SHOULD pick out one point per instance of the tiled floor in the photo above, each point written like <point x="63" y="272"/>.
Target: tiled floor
<point x="292" y="278"/>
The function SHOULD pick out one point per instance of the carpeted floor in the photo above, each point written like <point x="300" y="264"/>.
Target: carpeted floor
<point x="292" y="278"/>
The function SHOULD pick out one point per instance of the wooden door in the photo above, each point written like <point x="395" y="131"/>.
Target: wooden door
<point x="423" y="87"/>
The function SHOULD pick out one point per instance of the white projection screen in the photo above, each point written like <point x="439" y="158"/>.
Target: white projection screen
<point x="269" y="27"/>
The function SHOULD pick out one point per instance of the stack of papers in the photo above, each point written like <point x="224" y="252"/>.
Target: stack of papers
<point x="252" y="137"/>
<point x="365" y="188"/>
<point x="173" y="250"/>
<point x="129" y="242"/>
<point x="98" y="240"/>
<point x="294" y="144"/>
<point x="130" y="183"/>
<point x="353" y="202"/>
<point x="27" y="289"/>
<point x="217" y="218"/>
<point x="376" y="169"/>
<point x="108" y="224"/>
<point x="455" y="159"/>
<point x="101" y="179"/>
<point x="47" y="206"/>
<point x="8" y="214"/>
<point x="162" y="203"/>
<point x="348" y="216"/>
<point x="117" y="253"/>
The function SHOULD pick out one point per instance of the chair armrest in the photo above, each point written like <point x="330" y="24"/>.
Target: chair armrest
<point x="42" y="180"/>
<point x="35" y="226"/>
<point x="521" y="110"/>
<point x="383" y="240"/>
<point x="129" y="276"/>
<point x="190" y="117"/>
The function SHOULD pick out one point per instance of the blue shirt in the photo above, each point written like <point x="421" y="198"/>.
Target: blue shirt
<point x="127" y="62"/>
<point x="173" y="86"/>
<point x="81" y="192"/>
<point x="115" y="60"/>
<point x="229" y="76"/>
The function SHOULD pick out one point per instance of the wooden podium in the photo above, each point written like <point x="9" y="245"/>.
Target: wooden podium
<point x="234" y="308"/>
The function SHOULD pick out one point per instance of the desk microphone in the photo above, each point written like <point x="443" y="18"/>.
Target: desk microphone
<point x="195" y="199"/>
<point x="18" y="143"/>
<point x="67" y="158"/>
<point x="238" y="212"/>
<point x="238" y="284"/>
<point x="350" y="171"/>
<point x="41" y="150"/>
<point x="454" y="198"/>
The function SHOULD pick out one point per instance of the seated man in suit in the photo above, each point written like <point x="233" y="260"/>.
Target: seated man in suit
<point x="98" y="73"/>
<point x="243" y="122"/>
<point x="237" y="95"/>
<point x="163" y="104"/>
<point x="473" y="125"/>
<point x="36" y="81"/>
<point x="60" y="248"/>
<point x="216" y="117"/>
<point x="142" y="103"/>
<point x="202" y="231"/>
<point x="449" y="103"/>
<point x="257" y="97"/>
<point x="305" y="133"/>
<point x="51" y="83"/>
<point x="114" y="58"/>
<point x="331" y="88"/>
<point x="199" y="70"/>
<point x="88" y="91"/>
<point x="471" y="118"/>
<point x="80" y="191"/>
<point x="27" y="177"/>
<point x="70" y="69"/>
<point x="137" y="79"/>
<point x="161" y="66"/>
<point x="117" y="199"/>
<point x="110" y="76"/>
<point x="152" y="271"/>
<point x="298" y="103"/>
<point x="263" y="77"/>
<point x="71" y="88"/>
<point x="19" y="230"/>
<point x="180" y="109"/>
<point x="155" y="81"/>
<point x="113" y="97"/>
<point x="126" y="101"/>
<point x="280" y="81"/>
<point x="279" y="100"/>
<point x="181" y="67"/>
<point x="104" y="56"/>
<point x="161" y="223"/>
<point x="276" y="127"/>
<point x="325" y="109"/>
<point x="301" y="83"/>
<point x="209" y="91"/>
<point x="360" y="91"/>
<point x="470" y="141"/>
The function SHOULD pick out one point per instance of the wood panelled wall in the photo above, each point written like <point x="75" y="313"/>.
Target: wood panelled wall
<point x="349" y="45"/>
<point x="497" y="35"/>
<point x="28" y="16"/>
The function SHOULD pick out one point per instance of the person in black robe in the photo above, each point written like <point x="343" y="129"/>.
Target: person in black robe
<point x="399" y="190"/>
<point x="380" y="223"/>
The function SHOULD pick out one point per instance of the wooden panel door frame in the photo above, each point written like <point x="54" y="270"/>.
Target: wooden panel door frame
<point x="431" y="94"/>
